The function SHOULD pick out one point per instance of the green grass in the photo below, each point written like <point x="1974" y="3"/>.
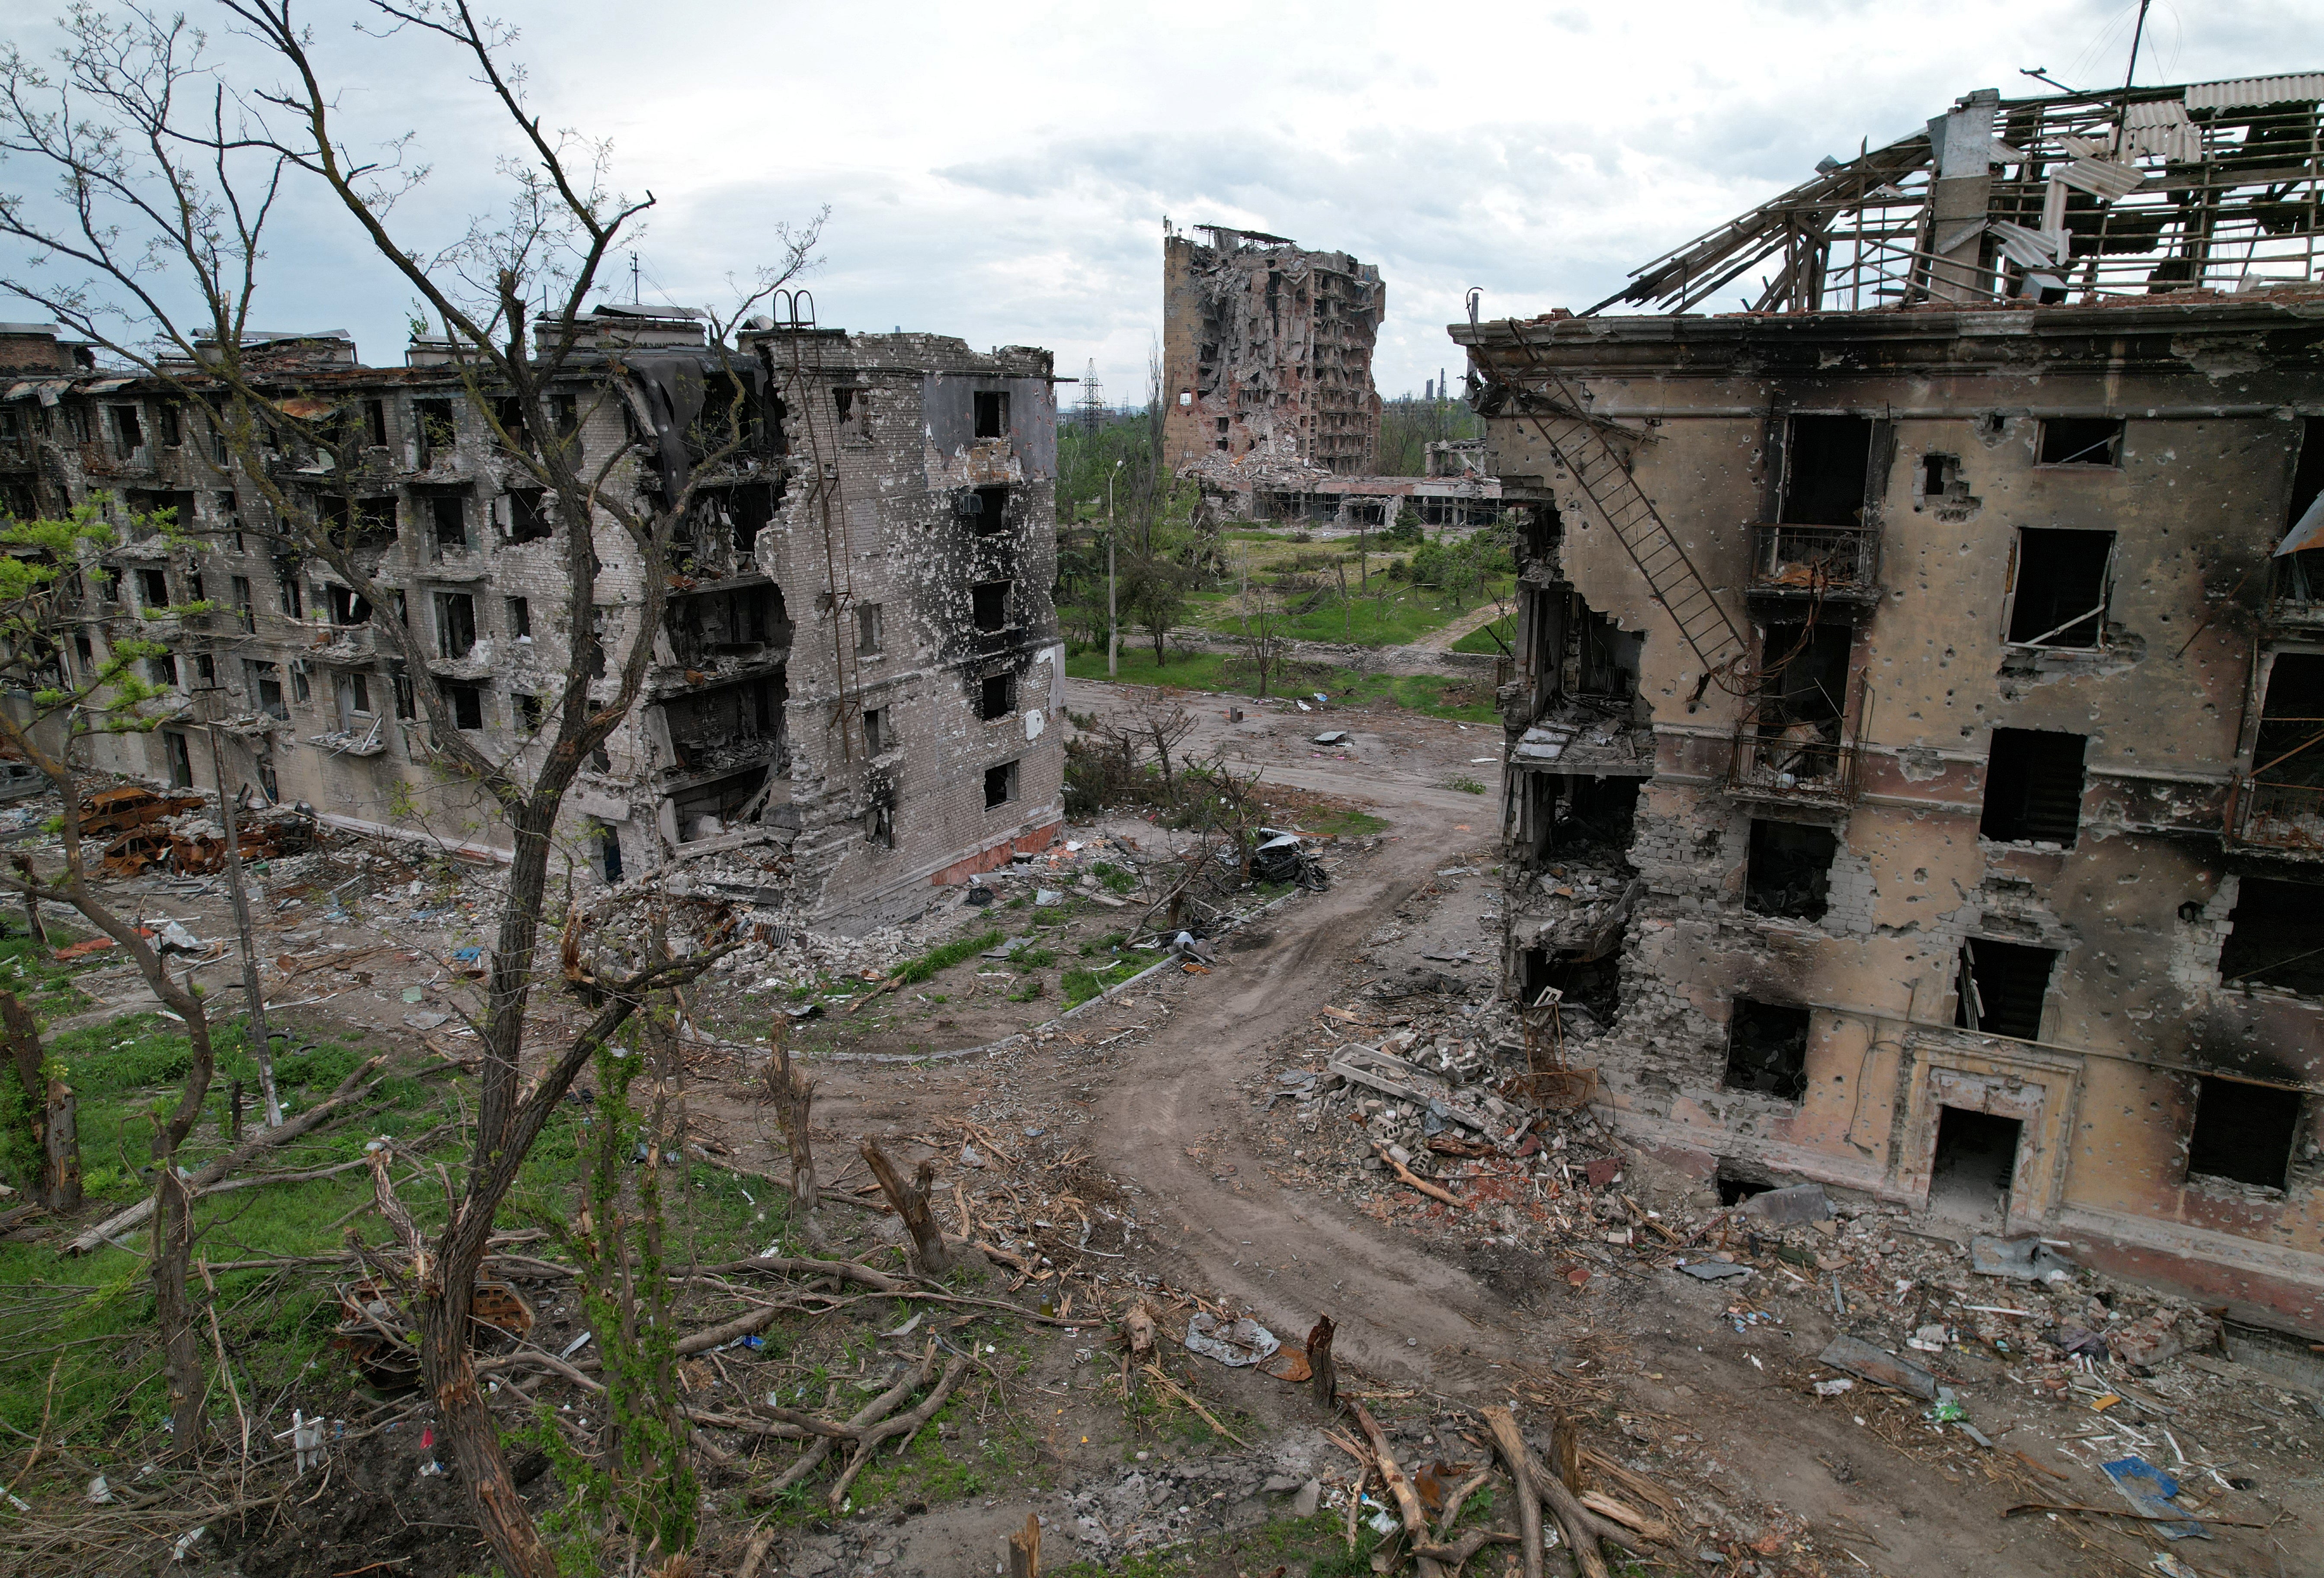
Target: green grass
<point x="1480" y="639"/>
<point x="1218" y="672"/>
<point x="927" y="965"/>
<point x="1346" y="824"/>
<point x="1388" y="613"/>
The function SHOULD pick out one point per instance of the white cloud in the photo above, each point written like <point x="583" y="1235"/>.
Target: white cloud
<point x="1002" y="175"/>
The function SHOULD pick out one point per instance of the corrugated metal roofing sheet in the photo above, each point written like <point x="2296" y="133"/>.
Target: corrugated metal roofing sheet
<point x="2256" y="90"/>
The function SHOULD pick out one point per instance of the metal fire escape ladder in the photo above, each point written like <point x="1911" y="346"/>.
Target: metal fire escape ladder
<point x="1580" y="445"/>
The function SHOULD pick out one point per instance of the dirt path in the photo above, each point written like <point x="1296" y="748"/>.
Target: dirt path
<point x="1401" y="1311"/>
<point x="1442" y="638"/>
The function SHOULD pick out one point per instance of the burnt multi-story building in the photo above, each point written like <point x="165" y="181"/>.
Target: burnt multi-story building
<point x="1267" y="351"/>
<point x="1916" y="772"/>
<point x="858" y="664"/>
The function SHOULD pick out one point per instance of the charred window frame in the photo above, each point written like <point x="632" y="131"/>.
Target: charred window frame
<point x="996" y="696"/>
<point x="2060" y="587"/>
<point x="1830" y="470"/>
<point x="1767" y="1049"/>
<point x="2091" y="443"/>
<point x="2276" y="938"/>
<point x="2003" y="988"/>
<point x="2244" y="1132"/>
<point x="989" y="606"/>
<point x="2034" y="783"/>
<point x="987" y="510"/>
<point x="1000" y="785"/>
<point x="1787" y="869"/>
<point x="128" y="431"/>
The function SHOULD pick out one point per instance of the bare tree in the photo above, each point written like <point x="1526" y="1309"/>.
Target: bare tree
<point x="168" y="174"/>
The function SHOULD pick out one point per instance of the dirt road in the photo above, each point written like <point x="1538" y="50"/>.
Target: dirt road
<point x="1400" y="1311"/>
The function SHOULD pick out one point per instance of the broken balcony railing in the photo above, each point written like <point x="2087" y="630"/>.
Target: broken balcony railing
<point x="1778" y="764"/>
<point x="1840" y="562"/>
<point x="2285" y="817"/>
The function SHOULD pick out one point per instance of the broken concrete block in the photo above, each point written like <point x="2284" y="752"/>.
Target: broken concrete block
<point x="1790" y="1207"/>
<point x="1860" y="1357"/>
<point x="2021" y="1259"/>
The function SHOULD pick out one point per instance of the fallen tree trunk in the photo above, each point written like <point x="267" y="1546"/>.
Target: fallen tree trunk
<point x="1399" y="1486"/>
<point x="1503" y="1424"/>
<point x="349" y="1089"/>
<point x="904" y="1424"/>
<point x="872" y="1413"/>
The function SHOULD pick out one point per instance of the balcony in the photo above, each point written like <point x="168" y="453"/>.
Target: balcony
<point x="1792" y="566"/>
<point x="2284" y="819"/>
<point x="1792" y="768"/>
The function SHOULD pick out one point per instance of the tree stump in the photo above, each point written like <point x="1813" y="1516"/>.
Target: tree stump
<point x="1025" y="1550"/>
<point x="794" y="1095"/>
<point x="930" y="1254"/>
<point x="1322" y="1373"/>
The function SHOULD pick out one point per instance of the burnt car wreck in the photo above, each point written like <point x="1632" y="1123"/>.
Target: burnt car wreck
<point x="1915" y="745"/>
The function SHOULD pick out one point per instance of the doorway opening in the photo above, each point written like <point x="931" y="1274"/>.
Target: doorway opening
<point x="1977" y="1157"/>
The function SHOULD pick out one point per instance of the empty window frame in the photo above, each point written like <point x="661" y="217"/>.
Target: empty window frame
<point x="348" y="606"/>
<point x="354" y="695"/>
<point x="996" y="696"/>
<point x="1827" y="470"/>
<point x="1000" y="785"/>
<point x="992" y="413"/>
<point x="528" y="710"/>
<point x="1788" y="872"/>
<point x="1768" y="1049"/>
<point x="875" y="731"/>
<point x="465" y="702"/>
<point x="433" y="432"/>
<point x="869" y="633"/>
<point x="287" y="594"/>
<point x="2079" y="441"/>
<point x="128" y="432"/>
<point x="2289" y="748"/>
<point x="2243" y="1131"/>
<point x="2034" y="787"/>
<point x="407" y="700"/>
<point x="243" y="605"/>
<point x="2001" y="986"/>
<point x="456" y="623"/>
<point x="2276" y="936"/>
<point x="523" y="515"/>
<point x="206" y="669"/>
<point x="2059" y="585"/>
<point x="989" y="513"/>
<point x="2299" y="576"/>
<point x="163" y="669"/>
<point x="265" y="681"/>
<point x="519" y="618"/>
<point x="448" y="515"/>
<point x="989" y="606"/>
<point x="152" y="588"/>
<point x="299" y="690"/>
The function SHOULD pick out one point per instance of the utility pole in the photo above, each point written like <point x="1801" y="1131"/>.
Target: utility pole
<point x="262" y="1047"/>
<point x="1113" y="618"/>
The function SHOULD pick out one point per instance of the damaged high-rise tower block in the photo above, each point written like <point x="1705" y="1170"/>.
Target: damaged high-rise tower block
<point x="858" y="680"/>
<point x="1267" y="348"/>
<point x="1915" y="772"/>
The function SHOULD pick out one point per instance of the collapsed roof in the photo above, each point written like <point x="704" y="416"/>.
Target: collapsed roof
<point x="2138" y="191"/>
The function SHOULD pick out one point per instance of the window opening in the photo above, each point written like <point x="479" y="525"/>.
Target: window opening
<point x="2290" y="746"/>
<point x="167" y="423"/>
<point x="181" y="759"/>
<point x="449" y="513"/>
<point x="406" y="702"/>
<point x="992" y="414"/>
<point x="2058" y="588"/>
<point x="205" y="668"/>
<point x="528" y="710"/>
<point x="1788" y="872"/>
<point x="242" y="603"/>
<point x="2034" y="787"/>
<point x="2276" y="936"/>
<point x="374" y="413"/>
<point x="997" y="696"/>
<point x="266" y="688"/>
<point x="1975" y="1160"/>
<point x="2001" y="986"/>
<point x="525" y="515"/>
<point x="348" y="606"/>
<point x="1827" y="469"/>
<point x="266" y="784"/>
<point x="1768" y="1049"/>
<point x="466" y="703"/>
<point x="2081" y="441"/>
<point x="868" y="632"/>
<point x="1000" y="785"/>
<point x="163" y="669"/>
<point x="87" y="651"/>
<point x="2243" y="1131"/>
<point x="519" y="619"/>
<point x="991" y="516"/>
<point x="433" y="431"/>
<point x="875" y="731"/>
<point x="456" y="623"/>
<point x="609" y="854"/>
<point x="299" y="692"/>
<point x="989" y="606"/>
<point x="152" y="588"/>
<point x="2299" y="576"/>
<point x="287" y="594"/>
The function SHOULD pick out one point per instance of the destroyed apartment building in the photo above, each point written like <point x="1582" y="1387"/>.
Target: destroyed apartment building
<point x="1267" y="379"/>
<point x="858" y="671"/>
<point x="1916" y="764"/>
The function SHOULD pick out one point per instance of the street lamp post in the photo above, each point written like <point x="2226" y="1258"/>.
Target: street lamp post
<point x="1112" y="618"/>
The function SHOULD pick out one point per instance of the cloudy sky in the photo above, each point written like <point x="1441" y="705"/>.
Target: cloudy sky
<point x="1002" y="174"/>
